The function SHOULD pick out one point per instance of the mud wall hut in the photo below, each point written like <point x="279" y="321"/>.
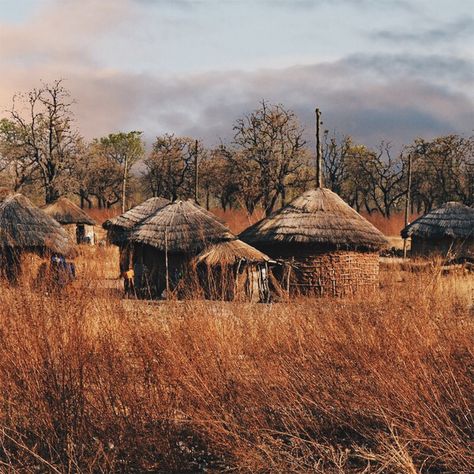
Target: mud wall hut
<point x="74" y="220"/>
<point x="26" y="228"/>
<point x="119" y="228"/>
<point x="326" y="246"/>
<point x="166" y="242"/>
<point x="447" y="231"/>
<point x="233" y="271"/>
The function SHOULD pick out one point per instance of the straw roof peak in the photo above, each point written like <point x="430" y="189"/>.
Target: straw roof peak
<point x="180" y="227"/>
<point x="317" y="217"/>
<point x="24" y="226"/>
<point x="136" y="214"/>
<point x="65" y="211"/>
<point x="452" y="219"/>
<point x="229" y="253"/>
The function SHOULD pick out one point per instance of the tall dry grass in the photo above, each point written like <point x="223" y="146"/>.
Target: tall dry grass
<point x="94" y="383"/>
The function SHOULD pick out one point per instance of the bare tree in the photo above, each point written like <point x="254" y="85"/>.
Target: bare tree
<point x="271" y="140"/>
<point x="39" y="139"/>
<point x="170" y="166"/>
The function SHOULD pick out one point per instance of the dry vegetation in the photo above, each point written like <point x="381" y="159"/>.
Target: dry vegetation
<point x="94" y="383"/>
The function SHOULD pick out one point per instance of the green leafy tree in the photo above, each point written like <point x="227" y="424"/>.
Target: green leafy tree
<point x="124" y="149"/>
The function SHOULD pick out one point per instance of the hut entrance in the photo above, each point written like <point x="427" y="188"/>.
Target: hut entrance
<point x="80" y="233"/>
<point x="10" y="261"/>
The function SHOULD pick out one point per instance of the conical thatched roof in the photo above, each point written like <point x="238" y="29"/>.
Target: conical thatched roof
<point x="229" y="253"/>
<point x="135" y="215"/>
<point x="453" y="219"/>
<point x="26" y="227"/>
<point x="318" y="217"/>
<point x="66" y="212"/>
<point x="180" y="227"/>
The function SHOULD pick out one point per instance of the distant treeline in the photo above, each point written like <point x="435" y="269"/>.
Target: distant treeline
<point x="267" y="163"/>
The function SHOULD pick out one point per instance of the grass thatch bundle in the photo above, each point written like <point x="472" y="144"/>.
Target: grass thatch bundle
<point x="180" y="227"/>
<point x="229" y="253"/>
<point x="119" y="227"/>
<point x="132" y="217"/>
<point x="66" y="212"/>
<point x="318" y="217"/>
<point x="23" y="226"/>
<point x="453" y="220"/>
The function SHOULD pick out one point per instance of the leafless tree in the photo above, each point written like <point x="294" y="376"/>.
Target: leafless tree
<point x="39" y="139"/>
<point x="271" y="140"/>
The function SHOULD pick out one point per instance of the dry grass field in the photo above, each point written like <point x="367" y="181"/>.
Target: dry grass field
<point x="378" y="383"/>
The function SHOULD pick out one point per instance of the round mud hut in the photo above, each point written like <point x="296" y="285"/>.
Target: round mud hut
<point x="448" y="231"/>
<point x="119" y="228"/>
<point x="73" y="219"/>
<point x="26" y="228"/>
<point x="327" y="247"/>
<point x="165" y="243"/>
<point x="233" y="271"/>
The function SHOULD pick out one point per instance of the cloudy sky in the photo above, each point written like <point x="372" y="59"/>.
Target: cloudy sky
<point x="378" y="69"/>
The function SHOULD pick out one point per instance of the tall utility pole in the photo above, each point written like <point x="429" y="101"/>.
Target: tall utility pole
<point x="407" y="204"/>
<point x="319" y="153"/>
<point x="196" y="172"/>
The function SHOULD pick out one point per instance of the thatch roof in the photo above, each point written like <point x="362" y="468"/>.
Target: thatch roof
<point x="66" y="212"/>
<point x="135" y="215"/>
<point x="453" y="219"/>
<point x="319" y="218"/>
<point x="24" y="226"/>
<point x="229" y="253"/>
<point x="180" y="227"/>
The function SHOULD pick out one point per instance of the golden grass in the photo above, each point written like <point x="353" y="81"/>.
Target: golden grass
<point x="94" y="383"/>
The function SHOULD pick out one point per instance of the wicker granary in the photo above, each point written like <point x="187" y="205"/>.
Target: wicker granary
<point x="118" y="228"/>
<point x="447" y="231"/>
<point x="165" y="243"/>
<point x="328" y="248"/>
<point x="73" y="219"/>
<point x="233" y="270"/>
<point x="26" y="228"/>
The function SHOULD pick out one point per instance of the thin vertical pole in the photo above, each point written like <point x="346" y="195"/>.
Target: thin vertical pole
<point x="196" y="172"/>
<point x="166" y="265"/>
<point x="319" y="154"/>
<point x="407" y="204"/>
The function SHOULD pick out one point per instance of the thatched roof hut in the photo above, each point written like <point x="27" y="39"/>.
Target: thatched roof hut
<point x="164" y="244"/>
<point x="73" y="219"/>
<point x="233" y="270"/>
<point x="329" y="248"/>
<point x="448" y="229"/>
<point x="318" y="218"/>
<point x="180" y="227"/>
<point x="66" y="212"/>
<point x="229" y="253"/>
<point x="26" y="228"/>
<point x="134" y="216"/>
<point x="119" y="228"/>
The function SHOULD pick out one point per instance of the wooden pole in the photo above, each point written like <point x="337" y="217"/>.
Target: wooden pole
<point x="196" y="172"/>
<point x="166" y="266"/>
<point x="319" y="154"/>
<point x="407" y="204"/>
